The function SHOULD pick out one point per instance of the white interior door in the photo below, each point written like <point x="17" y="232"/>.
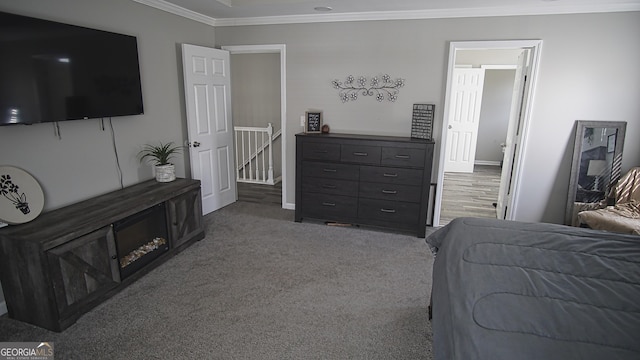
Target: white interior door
<point x="511" y="142"/>
<point x="463" y="121"/>
<point x="207" y="84"/>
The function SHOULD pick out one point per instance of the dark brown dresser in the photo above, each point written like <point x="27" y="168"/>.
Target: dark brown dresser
<point x="380" y="181"/>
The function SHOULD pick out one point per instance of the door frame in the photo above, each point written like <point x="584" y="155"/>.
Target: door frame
<point x="535" y="46"/>
<point x="282" y="50"/>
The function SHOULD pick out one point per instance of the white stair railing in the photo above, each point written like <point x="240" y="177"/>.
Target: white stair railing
<point x="254" y="151"/>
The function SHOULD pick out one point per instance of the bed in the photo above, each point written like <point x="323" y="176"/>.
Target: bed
<point x="513" y="290"/>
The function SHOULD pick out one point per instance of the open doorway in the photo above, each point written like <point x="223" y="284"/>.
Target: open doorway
<point x="489" y="181"/>
<point x="259" y="93"/>
<point x="471" y="185"/>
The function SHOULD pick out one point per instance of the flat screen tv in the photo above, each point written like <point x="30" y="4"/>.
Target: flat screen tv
<point x="51" y="72"/>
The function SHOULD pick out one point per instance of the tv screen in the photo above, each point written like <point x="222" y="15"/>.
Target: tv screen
<point x="51" y="71"/>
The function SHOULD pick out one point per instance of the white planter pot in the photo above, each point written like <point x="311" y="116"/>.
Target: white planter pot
<point x="165" y="173"/>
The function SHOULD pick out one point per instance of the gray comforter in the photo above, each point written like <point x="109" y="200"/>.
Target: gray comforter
<point x="511" y="290"/>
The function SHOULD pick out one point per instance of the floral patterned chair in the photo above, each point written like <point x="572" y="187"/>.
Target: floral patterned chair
<point x="624" y="215"/>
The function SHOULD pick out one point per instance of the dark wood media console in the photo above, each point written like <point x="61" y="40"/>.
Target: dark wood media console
<point x="379" y="181"/>
<point x="64" y="263"/>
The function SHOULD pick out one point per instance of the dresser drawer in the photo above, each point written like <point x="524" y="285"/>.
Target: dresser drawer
<point x="391" y="175"/>
<point x="329" y="186"/>
<point x="330" y="170"/>
<point x="393" y="192"/>
<point x="320" y="151"/>
<point x="398" y="156"/>
<point x="389" y="211"/>
<point x="330" y="207"/>
<point x="360" y="154"/>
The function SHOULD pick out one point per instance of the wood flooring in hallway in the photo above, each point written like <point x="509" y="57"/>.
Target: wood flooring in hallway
<point x="470" y="194"/>
<point x="260" y="194"/>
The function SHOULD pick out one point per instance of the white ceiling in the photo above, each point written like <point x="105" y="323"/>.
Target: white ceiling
<point x="241" y="12"/>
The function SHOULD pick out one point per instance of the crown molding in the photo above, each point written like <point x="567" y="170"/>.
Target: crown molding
<point x="429" y="14"/>
<point x="178" y="10"/>
<point x="548" y="9"/>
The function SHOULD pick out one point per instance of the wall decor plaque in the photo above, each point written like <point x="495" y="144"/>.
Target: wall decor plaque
<point x="21" y="197"/>
<point x="422" y="121"/>
<point x="313" y="121"/>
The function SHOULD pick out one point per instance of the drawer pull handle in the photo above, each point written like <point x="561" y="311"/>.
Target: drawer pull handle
<point x="389" y="192"/>
<point x="389" y="211"/>
<point x="390" y="175"/>
<point x="328" y="204"/>
<point x="328" y="186"/>
<point x="360" y="154"/>
<point x="329" y="170"/>
<point x="403" y="157"/>
<point x="321" y="151"/>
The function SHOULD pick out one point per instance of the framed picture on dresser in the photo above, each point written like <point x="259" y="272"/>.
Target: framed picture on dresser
<point x="313" y="122"/>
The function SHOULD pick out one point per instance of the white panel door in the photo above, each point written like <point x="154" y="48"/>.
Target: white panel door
<point x="511" y="142"/>
<point x="464" y="118"/>
<point x="208" y="101"/>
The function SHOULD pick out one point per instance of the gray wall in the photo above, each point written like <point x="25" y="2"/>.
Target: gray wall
<point x="494" y="115"/>
<point x="82" y="164"/>
<point x="587" y="73"/>
<point x="255" y="89"/>
<point x="477" y="58"/>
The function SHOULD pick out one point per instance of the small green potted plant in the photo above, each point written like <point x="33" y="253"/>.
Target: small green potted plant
<point x="160" y="156"/>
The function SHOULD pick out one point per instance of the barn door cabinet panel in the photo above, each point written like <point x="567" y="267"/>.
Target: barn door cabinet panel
<point x="65" y="262"/>
<point x="83" y="270"/>
<point x="185" y="217"/>
<point x="367" y="180"/>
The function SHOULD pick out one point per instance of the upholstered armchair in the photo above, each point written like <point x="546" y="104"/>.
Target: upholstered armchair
<point x="624" y="215"/>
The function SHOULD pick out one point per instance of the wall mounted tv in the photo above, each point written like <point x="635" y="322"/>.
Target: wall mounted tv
<point x="51" y="71"/>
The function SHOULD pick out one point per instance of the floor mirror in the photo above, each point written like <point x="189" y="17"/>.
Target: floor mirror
<point x="596" y="166"/>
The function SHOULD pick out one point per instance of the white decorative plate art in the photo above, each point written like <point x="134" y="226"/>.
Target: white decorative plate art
<point x="21" y="197"/>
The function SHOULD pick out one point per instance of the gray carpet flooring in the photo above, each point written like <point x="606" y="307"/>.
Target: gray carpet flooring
<point x="261" y="286"/>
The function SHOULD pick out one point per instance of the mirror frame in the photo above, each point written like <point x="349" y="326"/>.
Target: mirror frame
<point x="580" y="127"/>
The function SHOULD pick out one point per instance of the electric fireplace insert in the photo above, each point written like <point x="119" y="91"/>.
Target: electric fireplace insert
<point x="140" y="239"/>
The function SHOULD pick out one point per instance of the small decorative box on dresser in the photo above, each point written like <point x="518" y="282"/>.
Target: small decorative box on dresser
<point x="361" y="179"/>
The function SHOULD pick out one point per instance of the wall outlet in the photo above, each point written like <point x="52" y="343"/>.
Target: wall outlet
<point x="302" y="120"/>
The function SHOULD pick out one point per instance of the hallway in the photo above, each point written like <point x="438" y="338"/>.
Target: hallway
<point x="470" y="194"/>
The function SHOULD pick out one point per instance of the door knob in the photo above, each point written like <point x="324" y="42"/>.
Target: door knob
<point x="450" y="127"/>
<point x="196" y="144"/>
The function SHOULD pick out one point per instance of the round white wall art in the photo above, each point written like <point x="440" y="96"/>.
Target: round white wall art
<point x="21" y="197"/>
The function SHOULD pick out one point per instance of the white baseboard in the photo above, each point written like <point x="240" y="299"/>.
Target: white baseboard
<point x="3" y="308"/>
<point x="487" y="162"/>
